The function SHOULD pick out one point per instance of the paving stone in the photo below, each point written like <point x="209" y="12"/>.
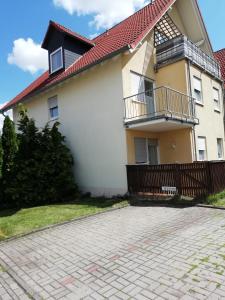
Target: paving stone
<point x="134" y="253"/>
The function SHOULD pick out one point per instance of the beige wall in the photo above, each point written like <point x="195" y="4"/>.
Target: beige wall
<point x="141" y="61"/>
<point x="211" y="122"/>
<point x="173" y="76"/>
<point x="91" y="117"/>
<point x="174" y="146"/>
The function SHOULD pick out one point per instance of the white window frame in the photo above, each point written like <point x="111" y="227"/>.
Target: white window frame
<point x="221" y="140"/>
<point x="216" y="108"/>
<point x="147" y="152"/>
<point x="51" y="54"/>
<point x="49" y="108"/>
<point x="201" y="91"/>
<point x="206" y="154"/>
<point x="142" y="77"/>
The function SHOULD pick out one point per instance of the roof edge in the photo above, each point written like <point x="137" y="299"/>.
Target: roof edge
<point x="203" y="23"/>
<point x="67" y="31"/>
<point x="8" y="107"/>
<point x="146" y="32"/>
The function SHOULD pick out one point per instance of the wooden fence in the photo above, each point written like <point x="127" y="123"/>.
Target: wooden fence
<point x="195" y="179"/>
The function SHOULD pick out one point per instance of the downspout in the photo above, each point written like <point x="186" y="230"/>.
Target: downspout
<point x="191" y="94"/>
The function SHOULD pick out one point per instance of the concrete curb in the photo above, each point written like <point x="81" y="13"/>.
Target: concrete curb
<point x="7" y="240"/>
<point x="211" y="206"/>
<point x="22" y="284"/>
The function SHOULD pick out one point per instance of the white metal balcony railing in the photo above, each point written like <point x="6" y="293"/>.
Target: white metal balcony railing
<point x="180" y="47"/>
<point x="162" y="102"/>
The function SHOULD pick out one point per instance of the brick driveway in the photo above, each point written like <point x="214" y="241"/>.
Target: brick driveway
<point x="132" y="253"/>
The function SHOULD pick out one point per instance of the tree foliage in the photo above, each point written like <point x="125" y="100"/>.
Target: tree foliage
<point x="1" y="157"/>
<point x="9" y="147"/>
<point x="42" y="167"/>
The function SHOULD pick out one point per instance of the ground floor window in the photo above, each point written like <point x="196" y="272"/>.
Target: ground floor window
<point x="146" y="151"/>
<point x="220" y="148"/>
<point x="202" y="153"/>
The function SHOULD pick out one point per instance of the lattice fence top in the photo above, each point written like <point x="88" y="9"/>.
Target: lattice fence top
<point x="165" y="30"/>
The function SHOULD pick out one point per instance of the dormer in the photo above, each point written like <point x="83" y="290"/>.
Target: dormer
<point x="64" y="47"/>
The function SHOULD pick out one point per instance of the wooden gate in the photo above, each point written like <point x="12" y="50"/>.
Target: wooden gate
<point x="195" y="179"/>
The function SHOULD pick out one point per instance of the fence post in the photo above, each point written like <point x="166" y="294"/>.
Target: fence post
<point x="209" y="175"/>
<point x="178" y="179"/>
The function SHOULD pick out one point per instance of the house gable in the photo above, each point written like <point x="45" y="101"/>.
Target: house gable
<point x="193" y="24"/>
<point x="128" y="34"/>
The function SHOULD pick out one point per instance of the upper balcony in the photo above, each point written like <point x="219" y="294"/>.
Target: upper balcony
<point x="160" y="109"/>
<point x="180" y="47"/>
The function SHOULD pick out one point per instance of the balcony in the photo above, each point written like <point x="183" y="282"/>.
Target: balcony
<point x="160" y="109"/>
<point x="180" y="47"/>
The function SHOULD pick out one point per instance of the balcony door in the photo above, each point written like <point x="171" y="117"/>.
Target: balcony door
<point x="153" y="152"/>
<point x="149" y="96"/>
<point x="142" y="90"/>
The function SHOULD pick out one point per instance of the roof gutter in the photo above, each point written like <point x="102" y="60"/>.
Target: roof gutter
<point x="127" y="47"/>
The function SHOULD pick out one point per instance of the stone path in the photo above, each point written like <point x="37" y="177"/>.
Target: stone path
<point x="132" y="253"/>
<point x="9" y="289"/>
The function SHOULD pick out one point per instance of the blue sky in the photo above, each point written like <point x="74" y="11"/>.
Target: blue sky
<point x="25" y="19"/>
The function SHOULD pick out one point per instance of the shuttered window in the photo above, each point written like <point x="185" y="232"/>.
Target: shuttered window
<point x="141" y="155"/>
<point x="197" y="93"/>
<point x="53" y="108"/>
<point x="216" y="99"/>
<point x="220" y="148"/>
<point x="202" y="153"/>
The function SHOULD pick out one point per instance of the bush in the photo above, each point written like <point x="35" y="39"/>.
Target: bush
<point x="41" y="165"/>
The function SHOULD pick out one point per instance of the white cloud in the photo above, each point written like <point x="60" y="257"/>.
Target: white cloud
<point x="105" y="13"/>
<point x="94" y="35"/>
<point x="9" y="113"/>
<point x="28" y="56"/>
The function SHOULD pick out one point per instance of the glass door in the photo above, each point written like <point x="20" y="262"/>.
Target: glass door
<point x="149" y="97"/>
<point x="153" y="152"/>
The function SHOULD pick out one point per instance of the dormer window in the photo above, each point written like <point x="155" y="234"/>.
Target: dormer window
<point x="64" y="47"/>
<point x="56" y="60"/>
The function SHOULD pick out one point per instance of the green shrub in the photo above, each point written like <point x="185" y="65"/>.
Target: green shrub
<point x="1" y="157"/>
<point x="39" y="168"/>
<point x="215" y="198"/>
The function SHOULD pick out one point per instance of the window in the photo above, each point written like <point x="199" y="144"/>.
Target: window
<point x="198" y="90"/>
<point x="141" y="156"/>
<point x="142" y="87"/>
<point x="146" y="151"/>
<point x="56" y="60"/>
<point x="220" y="148"/>
<point x="202" y="153"/>
<point x="216" y="99"/>
<point x="53" y="108"/>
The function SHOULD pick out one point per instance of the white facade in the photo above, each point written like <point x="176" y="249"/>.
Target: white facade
<point x="91" y="116"/>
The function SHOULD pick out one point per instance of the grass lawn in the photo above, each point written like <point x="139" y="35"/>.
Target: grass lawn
<point x="16" y="222"/>
<point x="216" y="199"/>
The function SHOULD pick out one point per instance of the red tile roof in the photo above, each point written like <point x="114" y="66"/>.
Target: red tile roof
<point x="220" y="56"/>
<point x="124" y="35"/>
<point x="67" y="31"/>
